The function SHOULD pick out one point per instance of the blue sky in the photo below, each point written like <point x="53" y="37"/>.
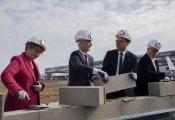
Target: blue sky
<point x="57" y="21"/>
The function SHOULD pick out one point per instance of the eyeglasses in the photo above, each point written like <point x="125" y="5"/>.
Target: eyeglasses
<point x="121" y="41"/>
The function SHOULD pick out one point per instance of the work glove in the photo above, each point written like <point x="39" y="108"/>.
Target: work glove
<point x="94" y="77"/>
<point x="37" y="87"/>
<point x="133" y="75"/>
<point x="22" y="95"/>
<point x="165" y="80"/>
<point x="127" y="99"/>
<point x="101" y="74"/>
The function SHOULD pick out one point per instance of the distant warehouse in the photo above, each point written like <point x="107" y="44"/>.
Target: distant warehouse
<point x="62" y="72"/>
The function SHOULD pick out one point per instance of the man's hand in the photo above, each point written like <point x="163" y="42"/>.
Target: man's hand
<point x="22" y="95"/>
<point x="38" y="87"/>
<point x="133" y="75"/>
<point x="102" y="74"/>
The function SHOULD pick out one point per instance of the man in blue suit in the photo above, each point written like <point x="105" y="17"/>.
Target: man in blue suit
<point x="81" y="68"/>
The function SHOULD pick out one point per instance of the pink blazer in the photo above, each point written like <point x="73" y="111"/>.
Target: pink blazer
<point x="19" y="75"/>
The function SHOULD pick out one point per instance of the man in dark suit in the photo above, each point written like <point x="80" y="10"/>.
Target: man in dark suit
<point x="120" y="60"/>
<point x="148" y="70"/>
<point x="81" y="68"/>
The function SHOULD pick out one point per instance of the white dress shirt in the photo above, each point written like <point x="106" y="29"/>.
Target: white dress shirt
<point x="153" y="61"/>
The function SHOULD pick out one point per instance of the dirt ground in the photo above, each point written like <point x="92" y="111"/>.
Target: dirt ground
<point x="49" y="94"/>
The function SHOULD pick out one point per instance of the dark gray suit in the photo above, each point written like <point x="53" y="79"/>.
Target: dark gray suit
<point x="146" y="73"/>
<point x="79" y="73"/>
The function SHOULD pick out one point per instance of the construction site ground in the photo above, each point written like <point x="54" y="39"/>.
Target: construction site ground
<point x="49" y="94"/>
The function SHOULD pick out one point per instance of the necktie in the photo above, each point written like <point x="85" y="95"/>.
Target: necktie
<point x="85" y="61"/>
<point x="120" y="63"/>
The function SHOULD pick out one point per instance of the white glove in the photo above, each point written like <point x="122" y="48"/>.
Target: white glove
<point x="133" y="75"/>
<point x="166" y="78"/>
<point x="96" y="71"/>
<point x="38" y="87"/>
<point x="102" y="74"/>
<point x="22" y="95"/>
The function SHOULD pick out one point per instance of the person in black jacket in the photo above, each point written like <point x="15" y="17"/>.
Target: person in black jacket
<point x="120" y="60"/>
<point x="148" y="70"/>
<point x="81" y="68"/>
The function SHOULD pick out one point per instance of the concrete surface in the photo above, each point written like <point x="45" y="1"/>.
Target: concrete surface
<point x="117" y="83"/>
<point x="161" y="88"/>
<point x="107" y="111"/>
<point x="82" y="96"/>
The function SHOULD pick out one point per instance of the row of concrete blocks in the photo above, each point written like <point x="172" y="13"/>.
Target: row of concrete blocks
<point x="96" y="95"/>
<point x="112" y="109"/>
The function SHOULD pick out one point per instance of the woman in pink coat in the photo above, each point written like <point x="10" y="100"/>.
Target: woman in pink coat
<point x="22" y="77"/>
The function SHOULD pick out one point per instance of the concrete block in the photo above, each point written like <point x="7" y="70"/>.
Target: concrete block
<point x="160" y="103"/>
<point x="111" y="109"/>
<point x="82" y="95"/>
<point x="22" y="115"/>
<point x="117" y="83"/>
<point x="161" y="88"/>
<point x="63" y="113"/>
<point x="134" y="106"/>
<point x="1" y="106"/>
<point x="173" y="101"/>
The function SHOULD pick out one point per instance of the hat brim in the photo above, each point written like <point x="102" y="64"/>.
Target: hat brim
<point x="124" y="38"/>
<point x="83" y="39"/>
<point x="41" y="46"/>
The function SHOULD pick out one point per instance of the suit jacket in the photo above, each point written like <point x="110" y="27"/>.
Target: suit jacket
<point x="19" y="75"/>
<point x="111" y="59"/>
<point x="80" y="73"/>
<point x="110" y="66"/>
<point x="146" y="73"/>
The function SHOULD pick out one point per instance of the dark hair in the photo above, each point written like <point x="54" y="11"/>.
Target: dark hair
<point x="30" y="45"/>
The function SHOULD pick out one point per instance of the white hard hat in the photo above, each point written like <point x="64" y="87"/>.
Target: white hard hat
<point x="124" y="34"/>
<point x="83" y="34"/>
<point x="155" y="44"/>
<point x="38" y="42"/>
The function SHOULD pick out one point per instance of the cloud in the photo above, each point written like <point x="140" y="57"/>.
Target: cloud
<point x="57" y="21"/>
